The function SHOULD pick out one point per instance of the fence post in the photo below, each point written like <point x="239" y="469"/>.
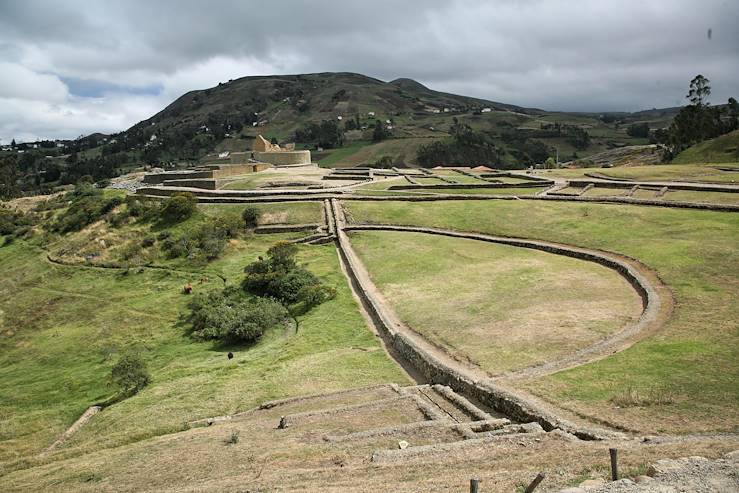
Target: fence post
<point x="474" y="483"/>
<point x="614" y="463"/>
<point x="538" y="479"/>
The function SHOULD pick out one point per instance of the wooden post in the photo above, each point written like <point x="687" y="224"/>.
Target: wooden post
<point x="474" y="483"/>
<point x="538" y="479"/>
<point x="283" y="423"/>
<point x="614" y="463"/>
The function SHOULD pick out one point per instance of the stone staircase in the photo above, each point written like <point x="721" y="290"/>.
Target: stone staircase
<point x="388" y="422"/>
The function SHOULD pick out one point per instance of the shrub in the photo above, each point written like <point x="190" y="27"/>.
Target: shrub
<point x="205" y="243"/>
<point x="148" y="241"/>
<point x="250" y="215"/>
<point x="233" y="439"/>
<point x="130" y="250"/>
<point x="233" y="316"/>
<point x="130" y="374"/>
<point x="315" y="294"/>
<point x="179" y="207"/>
<point x="87" y="206"/>
<point x="14" y="222"/>
<point x="280" y="277"/>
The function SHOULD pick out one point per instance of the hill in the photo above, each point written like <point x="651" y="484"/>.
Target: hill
<point x="227" y="116"/>
<point x="722" y="149"/>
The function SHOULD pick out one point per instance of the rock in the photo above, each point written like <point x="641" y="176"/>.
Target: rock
<point x="564" y="435"/>
<point x="643" y="479"/>
<point x="532" y="427"/>
<point x="402" y="445"/>
<point x="592" y="483"/>
<point x="573" y="490"/>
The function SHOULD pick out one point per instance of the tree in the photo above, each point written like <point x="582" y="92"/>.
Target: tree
<point x="733" y="108"/>
<point x="233" y="316"/>
<point x="130" y="374"/>
<point x="250" y="215"/>
<point x="700" y="89"/>
<point x="12" y="144"/>
<point x="380" y="132"/>
<point x="640" y="130"/>
<point x="179" y="207"/>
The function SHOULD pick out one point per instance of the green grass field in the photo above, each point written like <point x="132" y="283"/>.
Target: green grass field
<point x="674" y="172"/>
<point x="61" y="328"/>
<point x="500" y="307"/>
<point x="692" y="359"/>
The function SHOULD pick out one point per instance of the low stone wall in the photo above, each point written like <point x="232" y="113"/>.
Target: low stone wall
<point x="466" y="186"/>
<point x="285" y="228"/>
<point x="229" y="170"/>
<point x="696" y="187"/>
<point x="437" y="371"/>
<point x="283" y="157"/>
<point x="175" y="175"/>
<point x="205" y="184"/>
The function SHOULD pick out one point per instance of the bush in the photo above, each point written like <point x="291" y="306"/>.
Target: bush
<point x="205" y="243"/>
<point x="14" y="222"/>
<point x="179" y="207"/>
<point x="148" y="241"/>
<point x="233" y="316"/>
<point x="250" y="215"/>
<point x="87" y="206"/>
<point x="130" y="374"/>
<point x="281" y="278"/>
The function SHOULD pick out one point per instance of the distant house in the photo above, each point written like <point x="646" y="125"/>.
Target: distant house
<point x="370" y="113"/>
<point x="339" y="117"/>
<point x="487" y="110"/>
<point x="153" y="138"/>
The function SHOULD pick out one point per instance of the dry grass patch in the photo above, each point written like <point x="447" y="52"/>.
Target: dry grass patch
<point x="500" y="307"/>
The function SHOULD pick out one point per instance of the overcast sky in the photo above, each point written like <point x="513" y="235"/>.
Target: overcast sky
<point x="72" y="67"/>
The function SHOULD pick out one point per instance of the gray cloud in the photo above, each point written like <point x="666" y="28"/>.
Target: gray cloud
<point x="597" y="55"/>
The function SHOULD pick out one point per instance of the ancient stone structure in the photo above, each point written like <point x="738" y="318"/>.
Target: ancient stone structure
<point x="266" y="152"/>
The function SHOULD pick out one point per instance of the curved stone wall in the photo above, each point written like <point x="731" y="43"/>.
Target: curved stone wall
<point x="280" y="158"/>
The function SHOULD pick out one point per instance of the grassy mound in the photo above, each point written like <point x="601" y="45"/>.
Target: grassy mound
<point x="722" y="149"/>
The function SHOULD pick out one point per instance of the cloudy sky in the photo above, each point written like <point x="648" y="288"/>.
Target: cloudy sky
<point x="71" y="67"/>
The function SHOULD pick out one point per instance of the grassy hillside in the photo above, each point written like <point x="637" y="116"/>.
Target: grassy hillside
<point x="63" y="326"/>
<point x="722" y="149"/>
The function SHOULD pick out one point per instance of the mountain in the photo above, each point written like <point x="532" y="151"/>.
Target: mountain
<point x="283" y="103"/>
<point x="286" y="107"/>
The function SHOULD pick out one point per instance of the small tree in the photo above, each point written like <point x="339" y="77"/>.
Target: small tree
<point x="380" y="132"/>
<point x="179" y="207"/>
<point x="250" y="215"/>
<point x="129" y="374"/>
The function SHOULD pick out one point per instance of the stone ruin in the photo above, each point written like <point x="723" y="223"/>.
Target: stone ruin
<point x="266" y="152"/>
